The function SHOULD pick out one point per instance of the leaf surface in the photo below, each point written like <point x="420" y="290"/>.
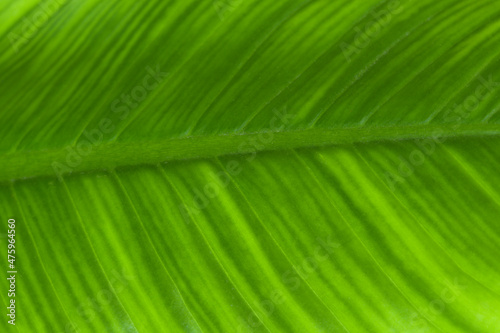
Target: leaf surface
<point x="252" y="166"/>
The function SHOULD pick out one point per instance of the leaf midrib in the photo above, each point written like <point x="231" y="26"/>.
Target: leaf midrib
<point x="105" y="156"/>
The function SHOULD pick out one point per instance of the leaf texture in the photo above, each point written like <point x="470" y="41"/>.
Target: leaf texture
<point x="252" y="166"/>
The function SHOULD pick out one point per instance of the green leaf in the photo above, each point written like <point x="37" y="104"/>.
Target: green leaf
<point x="250" y="166"/>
